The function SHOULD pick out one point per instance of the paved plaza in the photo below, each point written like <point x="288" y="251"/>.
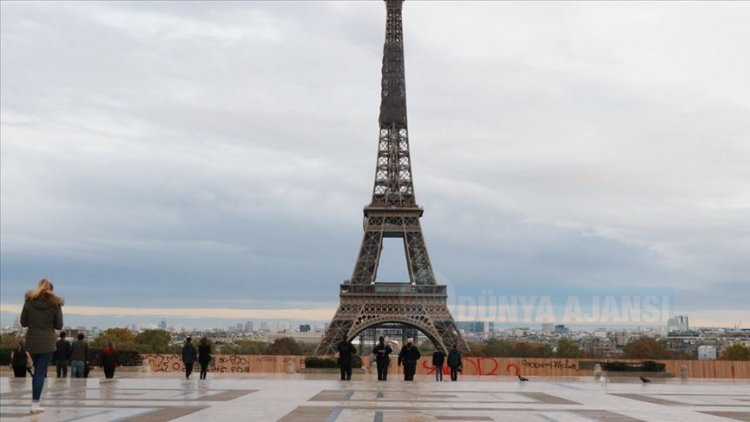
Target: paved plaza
<point x="270" y="397"/>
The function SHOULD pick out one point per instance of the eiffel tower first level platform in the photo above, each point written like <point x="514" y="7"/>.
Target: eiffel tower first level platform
<point x="393" y="212"/>
<point x="420" y="307"/>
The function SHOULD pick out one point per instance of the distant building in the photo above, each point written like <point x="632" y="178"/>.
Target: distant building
<point x="471" y="327"/>
<point x="678" y="323"/>
<point x="597" y="346"/>
<point x="163" y="324"/>
<point x="249" y="327"/>
<point x="707" y="352"/>
<point x="303" y="328"/>
<point x="547" y="327"/>
<point x="561" y="330"/>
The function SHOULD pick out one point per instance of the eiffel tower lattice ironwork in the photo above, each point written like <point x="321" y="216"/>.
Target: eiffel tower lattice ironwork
<point x="421" y="303"/>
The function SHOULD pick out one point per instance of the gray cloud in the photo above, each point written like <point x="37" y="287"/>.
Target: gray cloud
<point x="152" y="149"/>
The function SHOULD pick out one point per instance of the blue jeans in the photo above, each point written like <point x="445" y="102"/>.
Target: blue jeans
<point x="41" y="363"/>
<point x="76" y="369"/>
<point x="439" y="373"/>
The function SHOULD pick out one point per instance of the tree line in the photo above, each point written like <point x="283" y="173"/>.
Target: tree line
<point x="160" y="342"/>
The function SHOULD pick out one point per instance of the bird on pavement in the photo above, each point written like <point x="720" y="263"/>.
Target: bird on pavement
<point x="522" y="379"/>
<point x="645" y="380"/>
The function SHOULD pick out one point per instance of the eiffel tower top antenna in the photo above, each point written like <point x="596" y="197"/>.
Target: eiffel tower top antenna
<point x="393" y="86"/>
<point x="393" y="177"/>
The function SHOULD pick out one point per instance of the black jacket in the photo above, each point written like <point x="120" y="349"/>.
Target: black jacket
<point x="20" y="358"/>
<point x="454" y="358"/>
<point x="204" y="353"/>
<point x="408" y="354"/>
<point x="346" y="351"/>
<point x="62" y="351"/>
<point x="189" y="354"/>
<point x="382" y="352"/>
<point x="438" y="358"/>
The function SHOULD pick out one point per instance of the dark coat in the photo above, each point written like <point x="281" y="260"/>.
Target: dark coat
<point x="189" y="354"/>
<point x="346" y="351"/>
<point x="109" y="358"/>
<point x="62" y="351"/>
<point x="382" y="352"/>
<point x="204" y="353"/>
<point x="408" y="354"/>
<point x="438" y="358"/>
<point x="19" y="357"/>
<point x="454" y="358"/>
<point x="42" y="316"/>
<point x="79" y="351"/>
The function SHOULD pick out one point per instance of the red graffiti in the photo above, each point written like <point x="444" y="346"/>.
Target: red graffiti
<point x="516" y="371"/>
<point x="477" y="364"/>
<point x="430" y="369"/>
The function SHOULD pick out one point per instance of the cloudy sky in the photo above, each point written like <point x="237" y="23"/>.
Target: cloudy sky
<point x="162" y="157"/>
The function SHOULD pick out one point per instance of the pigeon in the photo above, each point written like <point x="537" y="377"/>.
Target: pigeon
<point x="522" y="379"/>
<point x="645" y="380"/>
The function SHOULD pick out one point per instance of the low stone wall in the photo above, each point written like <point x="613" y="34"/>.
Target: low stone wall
<point x="480" y="366"/>
<point x="229" y="363"/>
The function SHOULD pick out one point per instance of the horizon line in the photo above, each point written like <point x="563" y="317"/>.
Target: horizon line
<point x="700" y="318"/>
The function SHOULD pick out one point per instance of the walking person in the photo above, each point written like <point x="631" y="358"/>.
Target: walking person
<point x="110" y="360"/>
<point x="204" y="356"/>
<point x="408" y="356"/>
<point x="62" y="355"/>
<point x="382" y="354"/>
<point x="20" y="360"/>
<point x="438" y="358"/>
<point x="42" y="314"/>
<point x="189" y="356"/>
<point x="455" y="363"/>
<point x="79" y="357"/>
<point x="346" y="351"/>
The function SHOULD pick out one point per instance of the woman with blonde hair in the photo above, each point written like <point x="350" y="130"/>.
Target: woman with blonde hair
<point x="42" y="314"/>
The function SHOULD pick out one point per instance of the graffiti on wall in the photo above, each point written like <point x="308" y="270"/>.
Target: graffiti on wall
<point x="477" y="366"/>
<point x="551" y="364"/>
<point x="227" y="363"/>
<point x="484" y="366"/>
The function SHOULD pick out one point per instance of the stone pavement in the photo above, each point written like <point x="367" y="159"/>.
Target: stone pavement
<point x="269" y="397"/>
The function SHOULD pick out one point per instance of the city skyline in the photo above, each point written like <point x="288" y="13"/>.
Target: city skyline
<point x="177" y="159"/>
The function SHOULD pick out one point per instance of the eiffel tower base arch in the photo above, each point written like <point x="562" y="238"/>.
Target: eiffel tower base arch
<point x="422" y="307"/>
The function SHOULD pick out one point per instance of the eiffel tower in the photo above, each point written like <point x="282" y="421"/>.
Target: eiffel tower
<point x="393" y="213"/>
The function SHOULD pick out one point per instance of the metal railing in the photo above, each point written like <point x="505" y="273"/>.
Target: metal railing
<point x="393" y="289"/>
